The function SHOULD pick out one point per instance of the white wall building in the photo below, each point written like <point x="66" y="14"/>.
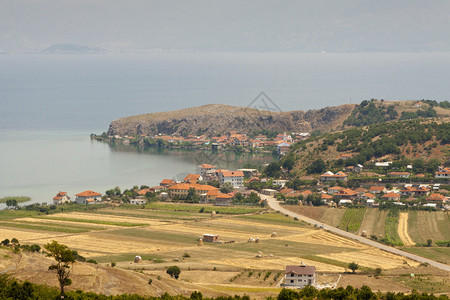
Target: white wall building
<point x="236" y="178"/>
<point x="300" y="276"/>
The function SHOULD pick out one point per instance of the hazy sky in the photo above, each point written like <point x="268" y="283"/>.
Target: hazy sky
<point x="229" y="25"/>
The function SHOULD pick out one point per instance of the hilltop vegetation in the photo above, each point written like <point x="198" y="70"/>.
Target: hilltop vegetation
<point x="407" y="141"/>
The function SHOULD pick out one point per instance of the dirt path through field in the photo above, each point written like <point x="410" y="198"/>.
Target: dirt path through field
<point x="403" y="229"/>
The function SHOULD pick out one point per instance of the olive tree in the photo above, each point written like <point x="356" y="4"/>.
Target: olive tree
<point x="64" y="260"/>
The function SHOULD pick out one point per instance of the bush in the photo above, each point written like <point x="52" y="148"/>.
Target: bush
<point x="113" y="264"/>
<point x="93" y="261"/>
<point x="174" y="271"/>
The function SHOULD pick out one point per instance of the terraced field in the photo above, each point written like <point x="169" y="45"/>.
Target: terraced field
<point x="163" y="235"/>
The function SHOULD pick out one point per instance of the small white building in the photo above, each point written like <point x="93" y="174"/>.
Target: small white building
<point x="87" y="197"/>
<point x="138" y="201"/>
<point x="61" y="198"/>
<point x="236" y="178"/>
<point x="300" y="276"/>
<point x="279" y="182"/>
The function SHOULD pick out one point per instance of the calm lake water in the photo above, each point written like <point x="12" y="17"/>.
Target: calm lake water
<point x="40" y="163"/>
<point x="49" y="104"/>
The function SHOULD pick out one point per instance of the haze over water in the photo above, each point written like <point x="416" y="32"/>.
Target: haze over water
<point x="49" y="104"/>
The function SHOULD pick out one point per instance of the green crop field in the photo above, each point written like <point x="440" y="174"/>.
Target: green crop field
<point x="352" y="219"/>
<point x="391" y="229"/>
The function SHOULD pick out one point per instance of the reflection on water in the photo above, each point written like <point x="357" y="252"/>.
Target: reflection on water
<point x="221" y="159"/>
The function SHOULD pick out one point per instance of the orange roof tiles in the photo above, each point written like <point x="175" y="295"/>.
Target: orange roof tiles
<point x="232" y="173"/>
<point x="391" y="195"/>
<point x="88" y="194"/>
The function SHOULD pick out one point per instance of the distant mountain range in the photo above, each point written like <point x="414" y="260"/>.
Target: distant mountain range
<point x="250" y="26"/>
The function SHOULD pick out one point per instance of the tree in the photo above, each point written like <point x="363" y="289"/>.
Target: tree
<point x="353" y="266"/>
<point x="64" y="260"/>
<point x="174" y="271"/>
<point x="11" y="202"/>
<point x="226" y="188"/>
<point x="317" y="167"/>
<point x="273" y="170"/>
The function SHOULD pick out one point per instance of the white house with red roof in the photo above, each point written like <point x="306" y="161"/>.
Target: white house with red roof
<point x="442" y="172"/>
<point x="329" y="176"/>
<point x="300" y="276"/>
<point x="87" y="197"/>
<point x="236" y="178"/>
<point x="61" y="198"/>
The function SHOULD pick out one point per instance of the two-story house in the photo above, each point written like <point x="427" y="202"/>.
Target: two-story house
<point x="300" y="276"/>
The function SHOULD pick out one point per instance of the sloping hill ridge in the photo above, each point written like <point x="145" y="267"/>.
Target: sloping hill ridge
<point x="215" y="119"/>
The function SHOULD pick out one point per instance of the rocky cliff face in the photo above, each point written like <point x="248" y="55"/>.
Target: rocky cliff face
<point x="215" y="119"/>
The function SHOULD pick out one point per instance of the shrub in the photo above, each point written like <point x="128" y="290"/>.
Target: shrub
<point x="174" y="271"/>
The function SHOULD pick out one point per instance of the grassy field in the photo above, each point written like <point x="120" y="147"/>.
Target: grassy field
<point x="352" y="219"/>
<point x="164" y="235"/>
<point x="424" y="225"/>
<point x="374" y="222"/>
<point x="440" y="254"/>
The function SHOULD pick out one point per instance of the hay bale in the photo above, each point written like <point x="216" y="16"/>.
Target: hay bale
<point x="200" y="242"/>
<point x="213" y="213"/>
<point x="251" y="240"/>
<point x="274" y="234"/>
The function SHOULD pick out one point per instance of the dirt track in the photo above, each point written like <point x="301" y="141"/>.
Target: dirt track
<point x="403" y="230"/>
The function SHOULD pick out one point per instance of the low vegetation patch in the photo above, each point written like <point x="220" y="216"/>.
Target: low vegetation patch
<point x="19" y="199"/>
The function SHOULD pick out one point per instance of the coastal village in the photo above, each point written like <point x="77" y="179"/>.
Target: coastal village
<point x="220" y="187"/>
<point x="269" y="142"/>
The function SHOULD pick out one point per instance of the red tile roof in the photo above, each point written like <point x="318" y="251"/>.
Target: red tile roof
<point x="59" y="195"/>
<point x="391" y="195"/>
<point x="88" y="194"/>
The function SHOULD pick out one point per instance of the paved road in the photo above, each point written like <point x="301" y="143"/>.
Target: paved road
<point x="273" y="203"/>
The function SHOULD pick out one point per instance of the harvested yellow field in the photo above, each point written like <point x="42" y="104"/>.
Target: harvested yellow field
<point x="28" y="236"/>
<point x="225" y="234"/>
<point x="372" y="258"/>
<point x="267" y="263"/>
<point x="66" y="223"/>
<point x="270" y="227"/>
<point x="403" y="229"/>
<point x="108" y="218"/>
<point x="321" y="237"/>
<point x="102" y="244"/>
